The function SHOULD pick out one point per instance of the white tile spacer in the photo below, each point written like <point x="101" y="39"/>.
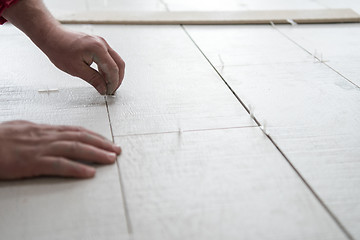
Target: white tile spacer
<point x="292" y="22"/>
<point x="48" y="90"/>
<point x="251" y="112"/>
<point x="264" y="129"/>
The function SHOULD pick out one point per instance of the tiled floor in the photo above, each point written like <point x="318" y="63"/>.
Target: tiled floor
<point x="195" y="164"/>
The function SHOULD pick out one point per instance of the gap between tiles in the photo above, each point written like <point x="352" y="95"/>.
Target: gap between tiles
<point x="122" y="187"/>
<point x="319" y="59"/>
<point x="180" y="131"/>
<point x="265" y="131"/>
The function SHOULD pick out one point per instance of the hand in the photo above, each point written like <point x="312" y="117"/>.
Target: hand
<point x="29" y="150"/>
<point x="74" y="52"/>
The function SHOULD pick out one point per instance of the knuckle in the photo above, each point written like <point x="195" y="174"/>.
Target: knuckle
<point x="122" y="64"/>
<point x="62" y="128"/>
<point x="74" y="147"/>
<point x="94" y="79"/>
<point x="82" y="136"/>
<point x="101" y="39"/>
<point x="57" y="163"/>
<point x="114" y="68"/>
<point x="95" y="42"/>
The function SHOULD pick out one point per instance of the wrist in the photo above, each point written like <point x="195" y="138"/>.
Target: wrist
<point x="32" y="17"/>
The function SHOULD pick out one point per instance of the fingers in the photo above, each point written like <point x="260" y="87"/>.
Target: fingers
<point x="59" y="166"/>
<point x="108" y="68"/>
<point x="79" y="151"/>
<point x="110" y="64"/>
<point x="93" y="77"/>
<point x="121" y="65"/>
<point x="64" y="128"/>
<point x="119" y="62"/>
<point x="80" y="134"/>
<point x="89" y="139"/>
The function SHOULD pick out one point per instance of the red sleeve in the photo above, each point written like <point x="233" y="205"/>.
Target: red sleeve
<point x="4" y="4"/>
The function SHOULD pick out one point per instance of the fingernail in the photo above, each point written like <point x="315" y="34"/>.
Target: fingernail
<point x="117" y="149"/>
<point x="90" y="172"/>
<point x="111" y="156"/>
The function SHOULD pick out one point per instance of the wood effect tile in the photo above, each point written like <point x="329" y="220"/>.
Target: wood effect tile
<point x="310" y="111"/>
<point x="168" y="84"/>
<point x="337" y="45"/>
<point x="54" y="208"/>
<point x="219" y="184"/>
<point x="245" y="45"/>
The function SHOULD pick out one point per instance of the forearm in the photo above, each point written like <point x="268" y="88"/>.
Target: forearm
<point x="32" y="17"/>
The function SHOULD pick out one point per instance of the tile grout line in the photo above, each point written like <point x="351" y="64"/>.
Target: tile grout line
<point x="190" y="130"/>
<point x="297" y="44"/>
<point x="322" y="203"/>
<point x="122" y="187"/>
<point x="229" y="87"/>
<point x="332" y="215"/>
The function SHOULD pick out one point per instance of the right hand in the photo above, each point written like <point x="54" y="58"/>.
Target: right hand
<point x="30" y="150"/>
<point x="74" y="52"/>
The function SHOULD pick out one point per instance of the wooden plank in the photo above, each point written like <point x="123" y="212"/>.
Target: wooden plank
<point x="217" y="184"/>
<point x="53" y="208"/>
<point x="125" y="5"/>
<point x="312" y="113"/>
<point x="341" y="53"/>
<point x="168" y="86"/>
<point x="67" y="6"/>
<point x="228" y="17"/>
<point x="236" y="5"/>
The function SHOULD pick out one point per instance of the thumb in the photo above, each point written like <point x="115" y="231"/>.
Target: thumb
<point x="93" y="77"/>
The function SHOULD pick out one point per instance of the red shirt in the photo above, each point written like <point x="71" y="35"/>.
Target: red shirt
<point x="4" y="4"/>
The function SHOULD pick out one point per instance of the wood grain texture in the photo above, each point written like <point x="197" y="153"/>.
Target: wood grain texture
<point x="70" y="209"/>
<point x="313" y="115"/>
<point x="63" y="208"/>
<point x="168" y="84"/>
<point x="337" y="45"/>
<point x="53" y="208"/>
<point x="245" y="45"/>
<point x="213" y="18"/>
<point x="219" y="184"/>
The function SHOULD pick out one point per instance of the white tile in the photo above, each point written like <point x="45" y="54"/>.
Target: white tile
<point x="219" y="184"/>
<point x="338" y="45"/>
<point x="65" y="7"/>
<point x="63" y="208"/>
<point x="245" y="45"/>
<point x="54" y="208"/>
<point x="168" y="84"/>
<point x="310" y="111"/>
